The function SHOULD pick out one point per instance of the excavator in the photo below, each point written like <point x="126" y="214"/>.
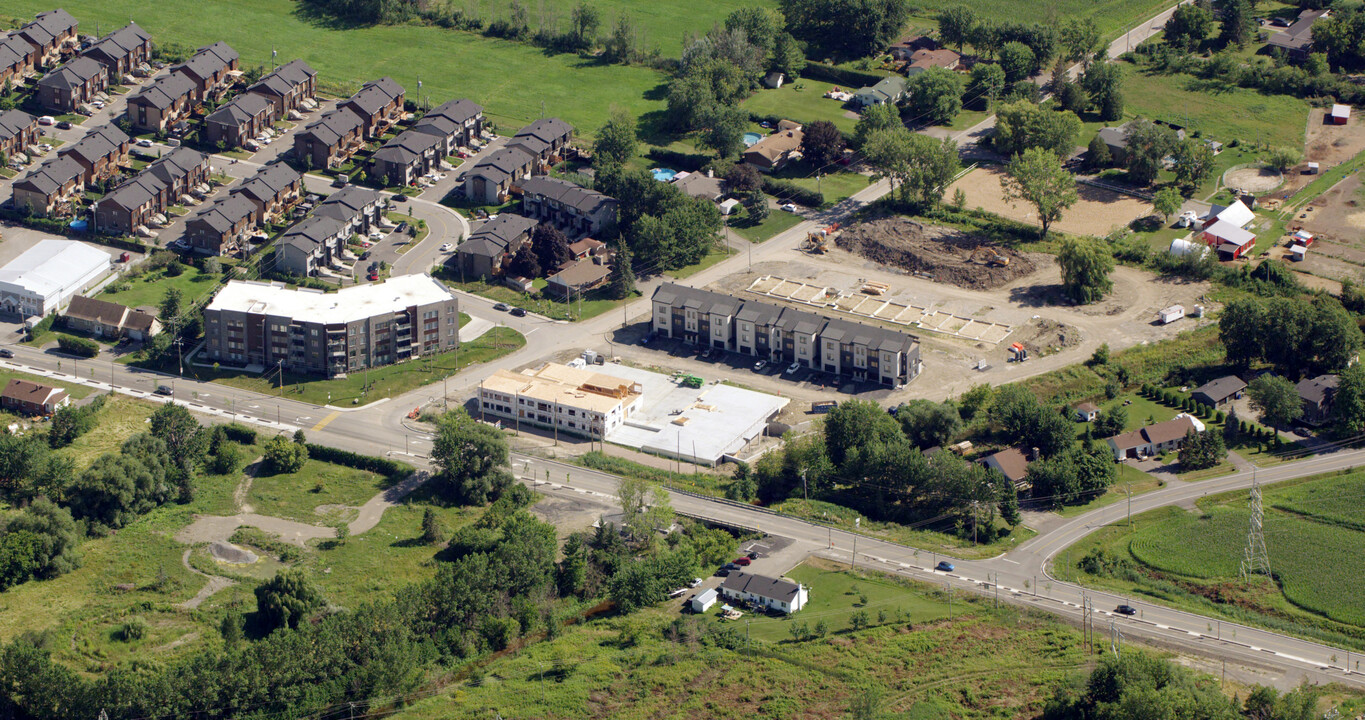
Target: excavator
<point x="989" y="257"/>
<point x="817" y="242"/>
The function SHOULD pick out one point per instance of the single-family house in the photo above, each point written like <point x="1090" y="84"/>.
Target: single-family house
<point x="406" y="157"/>
<point x="50" y="189"/>
<point x="245" y="117"/>
<point x="1317" y="394"/>
<point x="1219" y="392"/>
<point x="378" y="104"/>
<point x="1012" y="463"/>
<point x="700" y="185"/>
<point x="313" y="243"/>
<point x="100" y="153"/>
<point x="272" y="190"/>
<point x="887" y="91"/>
<point x="572" y="208"/>
<point x="121" y="50"/>
<point x="221" y="228"/>
<point x="587" y="247"/>
<point x="544" y="138"/>
<point x="922" y="60"/>
<point x="1340" y="114"/>
<point x="105" y="319"/>
<point x="161" y="103"/>
<point x="211" y="70"/>
<point x="18" y="130"/>
<point x="287" y="87"/>
<point x="50" y="33"/>
<point x="31" y="398"/>
<point x="457" y="122"/>
<point x="909" y="45"/>
<point x="492" y="178"/>
<point x="17" y="58"/>
<point x="1297" y="40"/>
<point x="578" y="277"/>
<point x="704" y="600"/>
<point x="773" y="152"/>
<point x="72" y="85"/>
<point x="1087" y="412"/>
<point x="774" y="594"/>
<point x="487" y="249"/>
<point x="1154" y="439"/>
<point x="330" y="140"/>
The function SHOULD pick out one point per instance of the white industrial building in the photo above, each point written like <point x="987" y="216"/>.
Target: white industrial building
<point x="572" y="400"/>
<point x="45" y="277"/>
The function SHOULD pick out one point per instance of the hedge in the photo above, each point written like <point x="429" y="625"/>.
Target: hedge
<point x="240" y="433"/>
<point x="787" y="190"/>
<point x="78" y="346"/>
<point x="841" y="76"/>
<point x="390" y="469"/>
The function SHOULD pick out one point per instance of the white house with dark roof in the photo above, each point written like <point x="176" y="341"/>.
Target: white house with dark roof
<point x="72" y="85"/>
<point x="781" y="595"/>
<point x="1155" y="439"/>
<point x="492" y="178"/>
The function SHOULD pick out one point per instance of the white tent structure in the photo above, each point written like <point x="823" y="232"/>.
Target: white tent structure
<point x="1181" y="247"/>
<point x="43" y="279"/>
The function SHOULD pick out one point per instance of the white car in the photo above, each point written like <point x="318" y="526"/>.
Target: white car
<point x="791" y="208"/>
<point x="792" y="368"/>
<point x="376" y="235"/>
<point x="144" y="142"/>
<point x="47" y="120"/>
<point x="447" y="247"/>
<point x="97" y="104"/>
<point x="695" y="582"/>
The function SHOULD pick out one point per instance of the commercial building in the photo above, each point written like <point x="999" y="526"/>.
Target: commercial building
<point x="309" y="331"/>
<point x="785" y="335"/>
<point x="774" y="594"/>
<point x="572" y="400"/>
<point x="45" y="277"/>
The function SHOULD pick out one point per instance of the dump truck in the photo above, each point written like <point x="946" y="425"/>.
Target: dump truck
<point x="692" y="381"/>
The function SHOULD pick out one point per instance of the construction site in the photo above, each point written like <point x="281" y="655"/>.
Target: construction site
<point x="936" y="253"/>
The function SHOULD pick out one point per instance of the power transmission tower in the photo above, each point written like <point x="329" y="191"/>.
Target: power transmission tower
<point x="1256" y="559"/>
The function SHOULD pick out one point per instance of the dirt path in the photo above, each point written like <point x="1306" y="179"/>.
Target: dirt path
<point x="214" y="584"/>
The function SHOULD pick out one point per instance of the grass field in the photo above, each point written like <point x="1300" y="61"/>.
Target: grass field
<point x="150" y="288"/>
<point x="802" y="101"/>
<point x="121" y="418"/>
<point x="979" y="665"/>
<point x="297" y="495"/>
<point x="1192" y="559"/>
<point x="1216" y="109"/>
<point x="594" y="303"/>
<point x="493" y="73"/>
<point x="776" y="223"/>
<point x="1112" y="16"/>
<point x="928" y="541"/>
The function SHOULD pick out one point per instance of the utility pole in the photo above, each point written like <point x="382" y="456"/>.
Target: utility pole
<point x="1115" y="639"/>
<point x="746" y="637"/>
<point x="804" y="490"/>
<point x="949" y="589"/>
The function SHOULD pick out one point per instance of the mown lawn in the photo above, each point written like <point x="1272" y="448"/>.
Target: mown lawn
<point x="511" y="80"/>
<point x="776" y="223"/>
<point x="1216" y="109"/>
<point x="929" y="542"/>
<point x="150" y="288"/>
<point x="296" y="496"/>
<point x="802" y="101"/>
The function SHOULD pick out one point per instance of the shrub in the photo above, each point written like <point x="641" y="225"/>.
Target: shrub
<point x="283" y="455"/>
<point x="134" y="629"/>
<point x="80" y="347"/>
<point x="390" y="469"/>
<point x="240" y="433"/>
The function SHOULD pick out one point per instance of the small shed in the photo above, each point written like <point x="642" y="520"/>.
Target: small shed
<point x="1302" y="237"/>
<point x="1312" y="169"/>
<point x="1087" y="412"/>
<point x="703" y="601"/>
<point x="774" y="80"/>
<point x="1340" y="114"/>
<point x="1297" y="252"/>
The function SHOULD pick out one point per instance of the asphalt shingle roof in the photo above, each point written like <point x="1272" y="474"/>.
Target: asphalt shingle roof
<point x="13" y="122"/>
<point x="575" y="196"/>
<point x="101" y="142"/>
<point x="375" y="94"/>
<point x="502" y="164"/>
<point x="269" y="181"/>
<point x="164" y="92"/>
<point x="333" y="125"/>
<point x="51" y="176"/>
<point x="74" y="74"/>
<point x="242" y="109"/>
<point x="407" y="147"/>
<point x="285" y="78"/>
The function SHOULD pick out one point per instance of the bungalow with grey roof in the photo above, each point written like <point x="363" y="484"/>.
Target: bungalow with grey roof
<point x="211" y="70"/>
<point x="1155" y="439"/>
<point x="287" y="87"/>
<point x="543" y="138"/>
<point x="378" y="104"/>
<point x="50" y="189"/>
<point x="492" y="178"/>
<point x="572" y="208"/>
<point x="577" y="277"/>
<point x="1296" y="41"/>
<point x="162" y="103"/>
<point x="330" y="140"/>
<point x="487" y="249"/>
<point x="121" y="50"/>
<point x="273" y="190"/>
<point x="457" y="123"/>
<point x="406" y="157"/>
<point x="887" y="91"/>
<point x="50" y="33"/>
<point x="18" y="130"/>
<point x="100" y="152"/>
<point x="781" y="595"/>
<point x="1219" y="392"/>
<point x="245" y="117"/>
<point x="72" y="85"/>
<point x="221" y="228"/>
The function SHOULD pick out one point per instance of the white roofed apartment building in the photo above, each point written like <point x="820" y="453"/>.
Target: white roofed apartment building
<point x="45" y="277"/>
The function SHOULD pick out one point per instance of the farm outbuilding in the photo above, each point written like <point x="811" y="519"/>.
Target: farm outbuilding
<point x="1340" y="114"/>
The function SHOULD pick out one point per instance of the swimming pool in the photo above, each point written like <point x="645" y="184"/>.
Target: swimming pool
<point x="80" y="225"/>
<point x="663" y="174"/>
<point x="750" y="138"/>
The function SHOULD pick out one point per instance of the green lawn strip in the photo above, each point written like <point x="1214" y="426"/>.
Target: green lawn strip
<point x="719" y="253"/>
<point x="835" y="186"/>
<point x="296" y="496"/>
<point x="1313" y="534"/>
<point x="775" y="224"/>
<point x="413" y="241"/>
<point x="1132" y="482"/>
<point x="802" y="101"/>
<point x="1217" y="110"/>
<point x="702" y="483"/>
<point x="594" y="303"/>
<point x="121" y="418"/>
<point x="386" y="381"/>
<point x="927" y="542"/>
<point x="580" y="90"/>
<point x="150" y="288"/>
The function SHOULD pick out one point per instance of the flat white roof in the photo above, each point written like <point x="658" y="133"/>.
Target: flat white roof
<point x="1339" y="110"/>
<point x="352" y="303"/>
<point x="51" y="266"/>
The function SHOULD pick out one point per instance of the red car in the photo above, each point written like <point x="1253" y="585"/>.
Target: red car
<point x="373" y="276"/>
<point x="742" y="561"/>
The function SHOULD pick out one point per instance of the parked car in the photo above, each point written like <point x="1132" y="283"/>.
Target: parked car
<point x="791" y="208"/>
<point x="518" y="312"/>
<point x="64" y="125"/>
<point x="742" y="561"/>
<point x="339" y="181"/>
<point x="6" y="353"/>
<point x="47" y="120"/>
<point x="400" y="198"/>
<point x="164" y="390"/>
<point x="723" y="572"/>
<point x="944" y="566"/>
<point x="501" y="306"/>
<point x="752" y="556"/>
<point x="447" y="247"/>
<point x="144" y="142"/>
<point x="372" y="276"/>
<point x="758" y="366"/>
<point x="792" y="368"/>
<point x="695" y="582"/>
<point x="402" y="227"/>
<point x="365" y="255"/>
<point x="1126" y="610"/>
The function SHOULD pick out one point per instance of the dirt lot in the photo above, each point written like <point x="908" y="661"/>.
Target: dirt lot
<point x="944" y="254"/>
<point x="1337" y="218"/>
<point x="1096" y="213"/>
<point x="1332" y="145"/>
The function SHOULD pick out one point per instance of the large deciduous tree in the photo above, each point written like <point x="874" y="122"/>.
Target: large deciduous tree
<point x="287" y="598"/>
<point x="616" y="139"/>
<point x="1276" y="398"/>
<point x="822" y="143"/>
<point x="1086" y="265"/>
<point x="919" y="166"/>
<point x="470" y="459"/>
<point x="1022" y="125"/>
<point x="1037" y="177"/>
<point x="936" y="95"/>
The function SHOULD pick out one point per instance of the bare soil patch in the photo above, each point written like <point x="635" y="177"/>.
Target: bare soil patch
<point x="1044" y="337"/>
<point x="944" y="254"/>
<point x="1330" y="145"/>
<point x="1254" y="180"/>
<point x="1096" y="212"/>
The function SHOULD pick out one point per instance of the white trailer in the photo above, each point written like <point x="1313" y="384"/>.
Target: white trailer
<point x="1171" y="314"/>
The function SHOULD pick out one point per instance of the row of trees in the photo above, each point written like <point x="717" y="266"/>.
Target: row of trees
<point x="1295" y="335"/>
